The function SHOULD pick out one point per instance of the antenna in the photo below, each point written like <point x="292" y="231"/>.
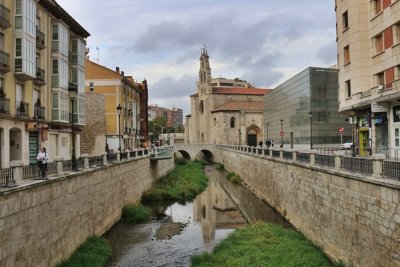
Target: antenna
<point x="98" y="54"/>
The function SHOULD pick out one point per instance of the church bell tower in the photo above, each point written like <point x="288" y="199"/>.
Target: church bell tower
<point x="204" y="82"/>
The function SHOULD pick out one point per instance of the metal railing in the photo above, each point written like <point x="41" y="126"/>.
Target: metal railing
<point x="112" y="157"/>
<point x="276" y="154"/>
<point x="4" y="61"/>
<point x="39" y="112"/>
<point x="80" y="163"/>
<point x="40" y="38"/>
<point x="288" y="155"/>
<point x="51" y="168"/>
<point x="391" y="169"/>
<point x="30" y="171"/>
<point x="303" y="157"/>
<point x="4" y="16"/>
<point x="7" y="176"/>
<point x="325" y="160"/>
<point x="360" y="165"/>
<point x="123" y="156"/>
<point x="96" y="161"/>
<point x="67" y="165"/>
<point x="40" y="75"/>
<point x="22" y="109"/>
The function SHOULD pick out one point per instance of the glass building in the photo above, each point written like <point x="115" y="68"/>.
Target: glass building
<point x="305" y="104"/>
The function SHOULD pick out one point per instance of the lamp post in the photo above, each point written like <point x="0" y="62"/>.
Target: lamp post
<point x="267" y="130"/>
<point x="311" y="141"/>
<point x="281" y="133"/>
<point x="240" y="137"/>
<point x="119" y="109"/>
<point x="73" y="90"/>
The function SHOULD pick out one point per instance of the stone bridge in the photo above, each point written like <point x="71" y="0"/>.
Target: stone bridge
<point x="196" y="151"/>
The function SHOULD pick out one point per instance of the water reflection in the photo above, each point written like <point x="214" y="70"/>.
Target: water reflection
<point x="211" y="217"/>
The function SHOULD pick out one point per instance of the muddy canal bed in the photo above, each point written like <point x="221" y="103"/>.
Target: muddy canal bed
<point x="179" y="231"/>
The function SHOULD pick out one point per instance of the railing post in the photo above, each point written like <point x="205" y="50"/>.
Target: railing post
<point x="128" y="154"/>
<point x="312" y="157"/>
<point x="338" y="159"/>
<point x="18" y="170"/>
<point x="86" y="164"/>
<point x="104" y="158"/>
<point x="294" y="155"/>
<point x="59" y="164"/>
<point x="281" y="153"/>
<point x="377" y="165"/>
<point x="119" y="156"/>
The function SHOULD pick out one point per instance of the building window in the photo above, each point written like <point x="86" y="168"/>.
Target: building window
<point x="397" y="137"/>
<point x="348" y="88"/>
<point x="201" y="106"/>
<point x="376" y="6"/>
<point x="233" y="122"/>
<point x="345" y="17"/>
<point x="346" y="55"/>
<point x="380" y="79"/>
<point x="378" y="43"/>
<point x="91" y="86"/>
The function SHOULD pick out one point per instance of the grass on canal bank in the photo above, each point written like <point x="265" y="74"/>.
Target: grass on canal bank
<point x="264" y="244"/>
<point x="184" y="183"/>
<point x="95" y="252"/>
<point x="133" y="214"/>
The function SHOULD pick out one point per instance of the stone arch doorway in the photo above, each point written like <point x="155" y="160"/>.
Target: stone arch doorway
<point x="15" y="144"/>
<point x="253" y="134"/>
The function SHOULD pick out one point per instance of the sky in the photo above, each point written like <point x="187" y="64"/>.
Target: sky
<point x="264" y="42"/>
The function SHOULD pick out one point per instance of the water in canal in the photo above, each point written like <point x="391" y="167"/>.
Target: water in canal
<point x="215" y="213"/>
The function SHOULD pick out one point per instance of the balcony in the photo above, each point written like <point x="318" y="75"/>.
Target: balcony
<point x="22" y="109"/>
<point x="40" y="39"/>
<point x="4" y="62"/>
<point x="4" y="17"/>
<point x="4" y="105"/>
<point x="39" y="112"/>
<point x="40" y="77"/>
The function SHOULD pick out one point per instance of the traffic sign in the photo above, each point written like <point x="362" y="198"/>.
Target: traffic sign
<point x="341" y="130"/>
<point x="282" y="133"/>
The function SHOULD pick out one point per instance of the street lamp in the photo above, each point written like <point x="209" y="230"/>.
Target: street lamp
<point x="119" y="109"/>
<point x="240" y="137"/>
<point x="311" y="141"/>
<point x="267" y="131"/>
<point x="73" y="90"/>
<point x="281" y="133"/>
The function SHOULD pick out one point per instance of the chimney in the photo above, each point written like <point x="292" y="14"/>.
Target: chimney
<point x="117" y="69"/>
<point x="123" y="74"/>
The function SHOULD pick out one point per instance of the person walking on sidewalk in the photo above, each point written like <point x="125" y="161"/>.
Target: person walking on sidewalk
<point x="42" y="159"/>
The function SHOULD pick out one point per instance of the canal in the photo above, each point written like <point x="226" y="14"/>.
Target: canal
<point x="213" y="215"/>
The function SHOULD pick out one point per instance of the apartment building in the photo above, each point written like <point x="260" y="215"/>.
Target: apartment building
<point x="368" y="42"/>
<point x="122" y="105"/>
<point x="173" y="116"/>
<point x="41" y="58"/>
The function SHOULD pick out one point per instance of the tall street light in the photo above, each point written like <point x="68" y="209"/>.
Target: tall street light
<point x="73" y="90"/>
<point x="240" y="137"/>
<point x="267" y="130"/>
<point x="282" y="133"/>
<point x="311" y="141"/>
<point x="119" y="109"/>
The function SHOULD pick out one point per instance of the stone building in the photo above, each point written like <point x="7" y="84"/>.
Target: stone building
<point x="224" y="111"/>
<point x="173" y="116"/>
<point x="368" y="38"/>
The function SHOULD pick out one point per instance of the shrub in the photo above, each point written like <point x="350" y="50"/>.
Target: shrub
<point x="180" y="161"/>
<point x="134" y="214"/>
<point x="220" y="167"/>
<point x="95" y="252"/>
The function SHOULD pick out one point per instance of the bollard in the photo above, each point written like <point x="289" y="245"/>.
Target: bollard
<point x="281" y="154"/>
<point x="104" y="158"/>
<point x="294" y="155"/>
<point x="128" y="154"/>
<point x="312" y="156"/>
<point x="119" y="156"/>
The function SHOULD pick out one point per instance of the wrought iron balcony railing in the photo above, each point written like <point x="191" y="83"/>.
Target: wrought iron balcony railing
<point x="40" y="76"/>
<point x="39" y="112"/>
<point x="4" y="62"/>
<point x="4" y="105"/>
<point x="4" y="16"/>
<point x="40" y="39"/>
<point x="22" y="109"/>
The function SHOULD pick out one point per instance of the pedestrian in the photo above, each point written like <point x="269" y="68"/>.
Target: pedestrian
<point x="42" y="159"/>
<point x="268" y="143"/>
<point x="272" y="143"/>
<point x="260" y="143"/>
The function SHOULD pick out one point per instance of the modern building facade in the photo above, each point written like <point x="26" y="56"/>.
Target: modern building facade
<point x="228" y="113"/>
<point x="304" y="110"/>
<point x="173" y="116"/>
<point x="123" y="126"/>
<point x="368" y="38"/>
<point x="41" y="58"/>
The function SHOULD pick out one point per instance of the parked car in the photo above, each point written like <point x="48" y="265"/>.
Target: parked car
<point x="347" y="145"/>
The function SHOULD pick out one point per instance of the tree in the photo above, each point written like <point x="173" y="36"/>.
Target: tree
<point x="157" y="126"/>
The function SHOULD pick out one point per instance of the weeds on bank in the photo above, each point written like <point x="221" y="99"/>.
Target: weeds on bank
<point x="234" y="178"/>
<point x="184" y="183"/>
<point x="220" y="167"/>
<point x="264" y="245"/>
<point x="134" y="214"/>
<point x="93" y="253"/>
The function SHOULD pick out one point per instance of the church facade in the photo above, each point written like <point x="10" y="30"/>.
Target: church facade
<point x="224" y="111"/>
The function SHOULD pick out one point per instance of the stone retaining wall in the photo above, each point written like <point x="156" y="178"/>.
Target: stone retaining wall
<point x="43" y="223"/>
<point x="352" y="218"/>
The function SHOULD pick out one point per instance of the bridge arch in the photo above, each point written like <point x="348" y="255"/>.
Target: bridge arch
<point x="206" y="155"/>
<point x="182" y="154"/>
<point x="196" y="151"/>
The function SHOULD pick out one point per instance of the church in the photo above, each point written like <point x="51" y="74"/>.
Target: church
<point x="224" y="111"/>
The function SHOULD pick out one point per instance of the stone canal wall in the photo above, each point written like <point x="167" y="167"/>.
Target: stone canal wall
<point x="352" y="218"/>
<point x="44" y="222"/>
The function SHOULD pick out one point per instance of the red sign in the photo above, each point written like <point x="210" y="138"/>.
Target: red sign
<point x="341" y="130"/>
<point x="282" y="133"/>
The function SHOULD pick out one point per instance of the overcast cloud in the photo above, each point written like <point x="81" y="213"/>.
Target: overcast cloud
<point x="262" y="41"/>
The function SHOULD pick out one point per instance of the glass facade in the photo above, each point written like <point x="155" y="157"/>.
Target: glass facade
<point x="287" y="109"/>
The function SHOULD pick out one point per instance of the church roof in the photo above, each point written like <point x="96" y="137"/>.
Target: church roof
<point x="240" y="91"/>
<point x="237" y="106"/>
